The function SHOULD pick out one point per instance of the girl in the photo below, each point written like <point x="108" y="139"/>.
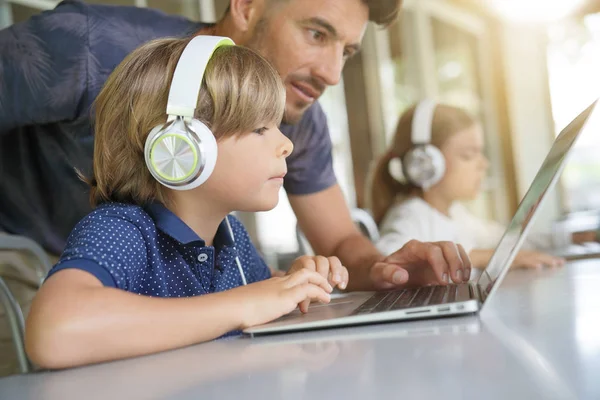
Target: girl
<point x="159" y="264"/>
<point x="447" y="167"/>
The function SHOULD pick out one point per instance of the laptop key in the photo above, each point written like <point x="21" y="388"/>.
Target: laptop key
<point x="371" y="303"/>
<point x="438" y="295"/>
<point x="422" y="297"/>
<point x="389" y="300"/>
<point x="404" y="300"/>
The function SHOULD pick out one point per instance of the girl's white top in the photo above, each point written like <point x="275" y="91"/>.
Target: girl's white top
<point x="416" y="219"/>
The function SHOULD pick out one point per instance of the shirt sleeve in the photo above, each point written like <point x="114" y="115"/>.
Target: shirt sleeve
<point x="398" y="228"/>
<point x="253" y="264"/>
<point x="310" y="166"/>
<point x="110" y="248"/>
<point x="43" y="64"/>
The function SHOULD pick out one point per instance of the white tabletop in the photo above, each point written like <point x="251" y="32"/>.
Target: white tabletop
<point x="539" y="338"/>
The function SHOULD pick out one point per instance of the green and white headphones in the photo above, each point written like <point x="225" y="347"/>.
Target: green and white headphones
<point x="182" y="153"/>
<point x="424" y="164"/>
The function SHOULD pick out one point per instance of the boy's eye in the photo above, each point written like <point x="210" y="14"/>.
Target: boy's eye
<point x="260" y="131"/>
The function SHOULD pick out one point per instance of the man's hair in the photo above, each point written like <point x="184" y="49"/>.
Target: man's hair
<point x="382" y="12"/>
<point x="240" y="92"/>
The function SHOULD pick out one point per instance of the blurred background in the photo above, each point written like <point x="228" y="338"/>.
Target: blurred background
<point x="524" y="67"/>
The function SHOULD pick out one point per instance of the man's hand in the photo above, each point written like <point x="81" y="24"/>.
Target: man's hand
<point x="420" y="264"/>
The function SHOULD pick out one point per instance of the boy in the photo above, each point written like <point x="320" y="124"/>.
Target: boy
<point x="162" y="195"/>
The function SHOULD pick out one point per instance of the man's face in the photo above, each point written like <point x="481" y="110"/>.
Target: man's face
<point x="308" y="42"/>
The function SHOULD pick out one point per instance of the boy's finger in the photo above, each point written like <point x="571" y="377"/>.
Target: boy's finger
<point x="307" y="276"/>
<point x="336" y="271"/>
<point x="306" y="292"/>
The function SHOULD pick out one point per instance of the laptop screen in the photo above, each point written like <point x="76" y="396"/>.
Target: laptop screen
<point x="543" y="181"/>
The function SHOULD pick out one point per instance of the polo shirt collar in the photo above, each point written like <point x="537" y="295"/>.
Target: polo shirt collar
<point x="173" y="226"/>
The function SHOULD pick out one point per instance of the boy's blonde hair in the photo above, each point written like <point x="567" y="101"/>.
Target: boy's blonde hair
<point x="240" y="92"/>
<point x="384" y="190"/>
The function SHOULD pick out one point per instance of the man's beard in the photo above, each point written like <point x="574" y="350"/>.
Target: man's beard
<point x="292" y="118"/>
<point x="256" y="43"/>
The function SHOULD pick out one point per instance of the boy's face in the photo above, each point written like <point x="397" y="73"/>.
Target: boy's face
<point x="250" y="169"/>
<point x="309" y="42"/>
<point x="466" y="165"/>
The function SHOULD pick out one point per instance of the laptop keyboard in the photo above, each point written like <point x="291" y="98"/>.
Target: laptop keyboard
<point x="408" y="298"/>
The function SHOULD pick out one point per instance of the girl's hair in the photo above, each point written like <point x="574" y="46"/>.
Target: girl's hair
<point x="384" y="189"/>
<point x="240" y="92"/>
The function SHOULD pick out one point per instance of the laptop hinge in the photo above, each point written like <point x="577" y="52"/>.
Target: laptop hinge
<point x="480" y="293"/>
<point x="475" y="291"/>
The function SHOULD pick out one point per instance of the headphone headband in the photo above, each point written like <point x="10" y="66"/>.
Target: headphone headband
<point x="189" y="72"/>
<point x="422" y="122"/>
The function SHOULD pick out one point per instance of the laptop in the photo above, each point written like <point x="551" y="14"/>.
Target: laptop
<point x="440" y="301"/>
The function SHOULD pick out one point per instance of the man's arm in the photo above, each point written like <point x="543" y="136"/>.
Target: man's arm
<point x="325" y="219"/>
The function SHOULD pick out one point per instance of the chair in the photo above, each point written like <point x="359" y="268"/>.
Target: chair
<point x="16" y="324"/>
<point x="13" y="311"/>
<point x="23" y="244"/>
<point x="361" y="218"/>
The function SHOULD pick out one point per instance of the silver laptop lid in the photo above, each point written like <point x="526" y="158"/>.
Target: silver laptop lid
<point x="545" y="179"/>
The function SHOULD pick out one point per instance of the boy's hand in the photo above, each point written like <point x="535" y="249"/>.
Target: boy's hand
<point x="536" y="259"/>
<point x="329" y="268"/>
<point x="270" y="299"/>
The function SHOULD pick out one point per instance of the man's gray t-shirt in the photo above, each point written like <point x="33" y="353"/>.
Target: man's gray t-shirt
<point x="52" y="67"/>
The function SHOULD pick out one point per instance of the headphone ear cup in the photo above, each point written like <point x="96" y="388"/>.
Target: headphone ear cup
<point x="171" y="155"/>
<point x="395" y="170"/>
<point x="175" y="155"/>
<point x="208" y="152"/>
<point x="424" y="166"/>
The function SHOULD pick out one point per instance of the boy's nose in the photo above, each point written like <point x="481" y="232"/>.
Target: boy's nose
<point x="286" y="147"/>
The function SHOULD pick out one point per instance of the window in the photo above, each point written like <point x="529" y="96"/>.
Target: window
<point x="573" y="69"/>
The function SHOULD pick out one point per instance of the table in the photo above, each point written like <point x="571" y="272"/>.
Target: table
<point x="539" y="338"/>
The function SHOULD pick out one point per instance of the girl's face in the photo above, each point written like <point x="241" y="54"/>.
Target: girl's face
<point x="466" y="165"/>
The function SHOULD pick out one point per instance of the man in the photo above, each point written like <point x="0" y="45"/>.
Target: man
<point x="54" y="64"/>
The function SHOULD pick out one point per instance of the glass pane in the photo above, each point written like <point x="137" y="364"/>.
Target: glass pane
<point x="456" y="60"/>
<point x="456" y="66"/>
<point x="573" y="65"/>
<point x="404" y="59"/>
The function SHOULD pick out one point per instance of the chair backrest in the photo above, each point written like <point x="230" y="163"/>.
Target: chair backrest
<point x="17" y="243"/>
<point x="14" y="314"/>
<point x="361" y="218"/>
<point x="16" y="324"/>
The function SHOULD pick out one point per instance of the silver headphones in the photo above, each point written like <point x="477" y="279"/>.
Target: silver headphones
<point x="182" y="153"/>
<point x="424" y="164"/>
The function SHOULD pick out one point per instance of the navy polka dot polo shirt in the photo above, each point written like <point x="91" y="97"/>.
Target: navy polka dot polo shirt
<point x="150" y="251"/>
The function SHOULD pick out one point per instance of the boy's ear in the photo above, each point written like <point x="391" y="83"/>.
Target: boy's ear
<point x="246" y="13"/>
